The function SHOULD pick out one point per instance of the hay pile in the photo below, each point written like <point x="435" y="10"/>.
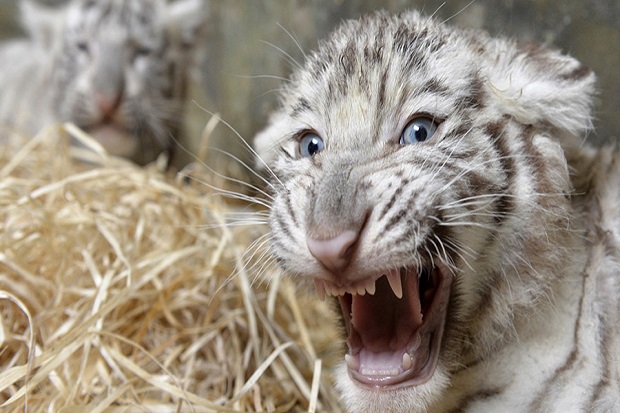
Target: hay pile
<point x="122" y="291"/>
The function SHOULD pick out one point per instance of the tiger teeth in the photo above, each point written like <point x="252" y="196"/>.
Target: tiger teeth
<point x="324" y="288"/>
<point x="369" y="286"/>
<point x="395" y="283"/>
<point x="407" y="362"/>
<point x="352" y="362"/>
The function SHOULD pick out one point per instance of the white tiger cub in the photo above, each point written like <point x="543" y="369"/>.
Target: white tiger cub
<point x="116" y="68"/>
<point x="434" y="180"/>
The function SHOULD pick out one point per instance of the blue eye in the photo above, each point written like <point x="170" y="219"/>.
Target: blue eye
<point x="83" y="46"/>
<point x="418" y="130"/>
<point x="143" y="51"/>
<point x="310" y="144"/>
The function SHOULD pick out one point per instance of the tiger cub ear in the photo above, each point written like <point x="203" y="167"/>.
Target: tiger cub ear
<point x="42" y="23"/>
<point x="538" y="85"/>
<point x="186" y="21"/>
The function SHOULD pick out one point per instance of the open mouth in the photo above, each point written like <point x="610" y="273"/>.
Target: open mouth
<point x="395" y="323"/>
<point x="114" y="138"/>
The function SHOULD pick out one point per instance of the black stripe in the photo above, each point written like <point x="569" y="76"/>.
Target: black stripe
<point x="465" y="403"/>
<point x="504" y="205"/>
<point x="291" y="211"/>
<point x="301" y="106"/>
<point x="393" y="199"/>
<point x="605" y="241"/>
<point x="434" y="86"/>
<point x="463" y="128"/>
<point x="348" y="58"/>
<point x="547" y="386"/>
<point x="410" y="44"/>
<point x="597" y="393"/>
<point x="396" y="218"/>
<point x="283" y="227"/>
<point x="381" y="93"/>
<point x="473" y="98"/>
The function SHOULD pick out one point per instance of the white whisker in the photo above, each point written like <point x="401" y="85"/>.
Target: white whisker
<point x="274" y="77"/>
<point x="249" y="169"/>
<point x="290" y="59"/>
<point x="459" y="12"/>
<point x="294" y="39"/>
<point x="244" y="143"/>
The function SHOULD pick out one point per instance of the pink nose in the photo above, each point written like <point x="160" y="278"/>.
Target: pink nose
<point x="334" y="253"/>
<point x="107" y="103"/>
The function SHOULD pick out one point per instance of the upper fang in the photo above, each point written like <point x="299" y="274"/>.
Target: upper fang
<point x="395" y="283"/>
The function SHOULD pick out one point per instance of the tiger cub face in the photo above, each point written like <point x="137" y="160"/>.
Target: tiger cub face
<point x="419" y="177"/>
<point x="121" y="71"/>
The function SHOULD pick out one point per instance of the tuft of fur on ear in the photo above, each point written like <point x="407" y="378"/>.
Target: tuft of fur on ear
<point x="538" y="85"/>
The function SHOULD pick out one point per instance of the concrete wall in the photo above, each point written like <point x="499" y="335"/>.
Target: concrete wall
<point x="252" y="43"/>
<point x="245" y="37"/>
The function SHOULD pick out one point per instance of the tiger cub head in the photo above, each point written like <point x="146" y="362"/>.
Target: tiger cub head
<point x="419" y="176"/>
<point x="121" y="68"/>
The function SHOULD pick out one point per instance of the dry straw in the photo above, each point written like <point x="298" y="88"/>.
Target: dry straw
<point x="122" y="290"/>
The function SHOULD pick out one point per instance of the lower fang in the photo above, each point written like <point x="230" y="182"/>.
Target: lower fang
<point x="352" y="362"/>
<point x="407" y="362"/>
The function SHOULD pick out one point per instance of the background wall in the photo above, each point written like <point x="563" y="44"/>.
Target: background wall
<point x="252" y="43"/>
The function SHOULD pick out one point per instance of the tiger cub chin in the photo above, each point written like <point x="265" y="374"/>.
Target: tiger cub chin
<point x="435" y="181"/>
<point x="116" y="68"/>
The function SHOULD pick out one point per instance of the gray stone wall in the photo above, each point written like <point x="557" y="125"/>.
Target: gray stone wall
<point x="251" y="44"/>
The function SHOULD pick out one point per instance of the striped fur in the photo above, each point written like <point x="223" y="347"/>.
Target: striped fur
<point x="116" y="68"/>
<point x="503" y="198"/>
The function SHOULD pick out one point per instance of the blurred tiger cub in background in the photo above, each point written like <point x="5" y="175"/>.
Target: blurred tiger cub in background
<point x="118" y="69"/>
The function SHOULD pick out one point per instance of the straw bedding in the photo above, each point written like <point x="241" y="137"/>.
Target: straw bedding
<point x="122" y="291"/>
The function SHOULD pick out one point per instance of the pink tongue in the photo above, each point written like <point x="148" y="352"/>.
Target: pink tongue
<point x="380" y="364"/>
<point x="385" y="323"/>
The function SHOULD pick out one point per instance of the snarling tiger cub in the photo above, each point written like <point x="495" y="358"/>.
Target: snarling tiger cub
<point x="436" y="182"/>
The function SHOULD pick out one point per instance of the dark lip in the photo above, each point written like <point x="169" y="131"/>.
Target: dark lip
<point x="430" y="333"/>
